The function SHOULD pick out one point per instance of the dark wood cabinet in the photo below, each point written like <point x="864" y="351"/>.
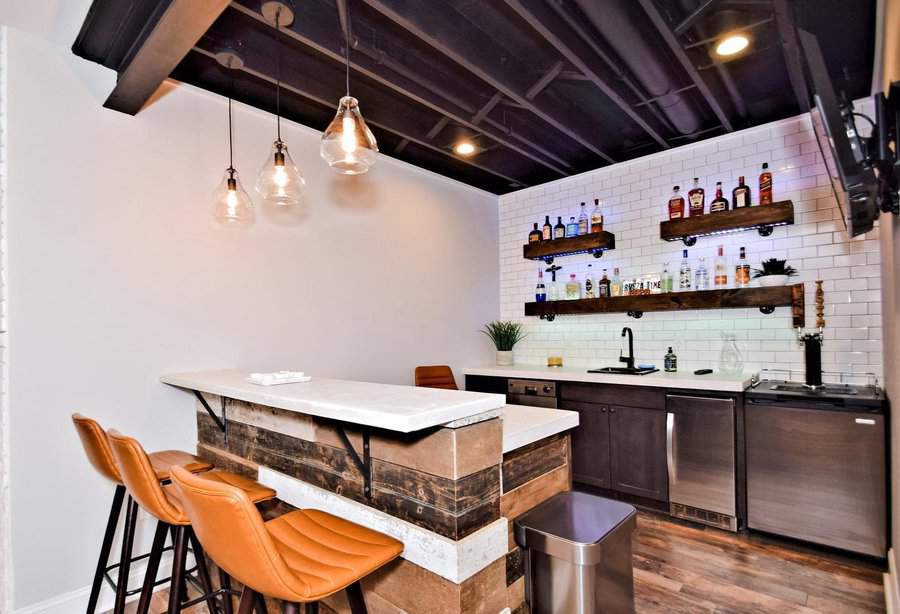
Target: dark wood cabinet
<point x="637" y="452"/>
<point x="484" y="383"/>
<point x="590" y="444"/>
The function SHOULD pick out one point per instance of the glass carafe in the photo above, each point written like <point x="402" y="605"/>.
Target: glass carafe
<point x="730" y="359"/>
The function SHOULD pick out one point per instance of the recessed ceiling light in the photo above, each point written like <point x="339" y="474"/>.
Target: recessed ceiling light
<point x="464" y="148"/>
<point x="732" y="44"/>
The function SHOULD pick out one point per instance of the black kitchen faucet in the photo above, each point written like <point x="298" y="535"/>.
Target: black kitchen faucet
<point x="628" y="360"/>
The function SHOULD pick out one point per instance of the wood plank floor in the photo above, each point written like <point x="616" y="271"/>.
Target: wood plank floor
<point x="685" y="568"/>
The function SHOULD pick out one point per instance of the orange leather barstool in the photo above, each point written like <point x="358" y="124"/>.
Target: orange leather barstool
<point x="96" y="447"/>
<point x="300" y="557"/>
<point x="436" y="376"/>
<point x="161" y="501"/>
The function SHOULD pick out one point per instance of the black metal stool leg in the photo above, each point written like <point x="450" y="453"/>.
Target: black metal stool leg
<point x="131" y="511"/>
<point x="203" y="572"/>
<point x="178" y="563"/>
<point x="114" y="511"/>
<point x="159" y="542"/>
<point x="225" y="583"/>
<point x="261" y="605"/>
<point x="182" y="587"/>
<point x="355" y="597"/>
<point x="312" y="607"/>
<point x="248" y="598"/>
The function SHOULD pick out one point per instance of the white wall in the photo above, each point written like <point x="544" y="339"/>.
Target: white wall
<point x="118" y="273"/>
<point x="635" y="194"/>
<point x="5" y="551"/>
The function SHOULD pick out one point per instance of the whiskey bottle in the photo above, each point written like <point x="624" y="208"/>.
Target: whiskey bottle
<point x="765" y="185"/>
<point x="720" y="203"/>
<point x="547" y="230"/>
<point x="676" y="204"/>
<point x="535" y="235"/>
<point x="696" y="199"/>
<point x="603" y="286"/>
<point x="584" y="224"/>
<point x="742" y="271"/>
<point x="740" y="196"/>
<point x="596" y="217"/>
<point x="559" y="231"/>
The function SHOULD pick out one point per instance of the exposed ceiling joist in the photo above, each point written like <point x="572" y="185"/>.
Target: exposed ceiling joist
<point x="547" y="23"/>
<point x="546" y="79"/>
<point x="691" y="19"/>
<point x="675" y="47"/>
<point x="317" y="32"/>
<point x="469" y="49"/>
<point x="784" y="19"/>
<point x="181" y="25"/>
<point x="487" y="108"/>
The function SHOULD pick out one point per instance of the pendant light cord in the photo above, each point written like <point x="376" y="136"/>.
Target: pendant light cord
<point x="347" y="48"/>
<point x="230" y="142"/>
<point x="278" y="75"/>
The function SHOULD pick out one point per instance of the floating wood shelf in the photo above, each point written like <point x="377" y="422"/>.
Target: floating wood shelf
<point x="759" y="217"/>
<point x="635" y="306"/>
<point x="594" y="243"/>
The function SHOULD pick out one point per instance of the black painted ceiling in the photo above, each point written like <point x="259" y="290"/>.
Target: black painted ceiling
<point x="546" y="88"/>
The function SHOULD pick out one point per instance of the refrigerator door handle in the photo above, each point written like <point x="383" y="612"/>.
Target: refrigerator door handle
<point x="670" y="449"/>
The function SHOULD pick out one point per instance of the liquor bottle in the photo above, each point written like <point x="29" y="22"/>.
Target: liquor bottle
<point x="596" y="217"/>
<point x="667" y="281"/>
<point x="615" y="288"/>
<point x="701" y="281"/>
<point x="696" y="199"/>
<point x="589" y="283"/>
<point x="573" y="288"/>
<point x="765" y="185"/>
<point x="720" y="203"/>
<point x="553" y="294"/>
<point x="740" y="196"/>
<point x="742" y="271"/>
<point x="670" y="361"/>
<point x="547" y="230"/>
<point x="676" y="204"/>
<point x="720" y="278"/>
<point x="535" y="235"/>
<point x="684" y="272"/>
<point x="572" y="228"/>
<point x="584" y="223"/>
<point x="540" y="292"/>
<point x="559" y="231"/>
<point x="603" y="286"/>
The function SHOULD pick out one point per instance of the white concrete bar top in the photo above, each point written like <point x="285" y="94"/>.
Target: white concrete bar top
<point x="687" y="380"/>
<point x="387" y="406"/>
<point x="523" y="425"/>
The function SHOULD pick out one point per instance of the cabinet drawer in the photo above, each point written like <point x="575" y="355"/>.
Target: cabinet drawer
<point x="611" y="394"/>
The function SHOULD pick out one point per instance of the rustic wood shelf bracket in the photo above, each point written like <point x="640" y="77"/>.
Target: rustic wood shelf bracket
<point x="364" y="464"/>
<point x="548" y="316"/>
<point x="767" y="309"/>
<point x="765" y="231"/>
<point x="635" y="314"/>
<point x="221" y="422"/>
<point x="690" y="241"/>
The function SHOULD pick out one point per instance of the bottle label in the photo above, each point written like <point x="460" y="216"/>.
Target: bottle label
<point x="718" y="205"/>
<point x="589" y="288"/>
<point x="604" y="290"/>
<point x="696" y="201"/>
<point x="548" y="233"/>
<point x="765" y="189"/>
<point x="533" y="238"/>
<point x="742" y="275"/>
<point x="560" y="232"/>
<point x="721" y="279"/>
<point x="740" y="199"/>
<point x="583" y="226"/>
<point x="684" y="279"/>
<point x="597" y="223"/>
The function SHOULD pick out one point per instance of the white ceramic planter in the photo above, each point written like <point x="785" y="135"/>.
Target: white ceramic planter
<point x="504" y="358"/>
<point x="770" y="281"/>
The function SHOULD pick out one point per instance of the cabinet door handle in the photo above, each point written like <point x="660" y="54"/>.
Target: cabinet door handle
<point x="865" y="421"/>
<point x="603" y="410"/>
<point x="670" y="448"/>
<point x="612" y="410"/>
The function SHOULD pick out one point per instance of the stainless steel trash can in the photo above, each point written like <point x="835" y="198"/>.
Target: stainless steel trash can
<point x="578" y="555"/>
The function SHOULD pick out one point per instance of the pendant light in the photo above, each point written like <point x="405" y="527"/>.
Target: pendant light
<point x="233" y="206"/>
<point x="279" y="181"/>
<point x="348" y="145"/>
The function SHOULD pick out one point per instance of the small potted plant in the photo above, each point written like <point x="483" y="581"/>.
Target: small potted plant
<point x="774" y="272"/>
<point x="505" y="335"/>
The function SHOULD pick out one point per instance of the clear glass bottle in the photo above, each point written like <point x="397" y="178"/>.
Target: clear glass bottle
<point x="670" y="361"/>
<point x="684" y="272"/>
<point x="668" y="279"/>
<point x="553" y="293"/>
<point x="573" y="288"/>
<point x="701" y="280"/>
<point x="584" y="222"/>
<point x="540" y="292"/>
<point x="589" y="284"/>
<point x="730" y="359"/>
<point x="596" y="217"/>
<point x="572" y="227"/>
<point x="720" y="275"/>
<point x="615" y="288"/>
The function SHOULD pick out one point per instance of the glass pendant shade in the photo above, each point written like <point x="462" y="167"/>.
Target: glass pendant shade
<point x="279" y="181"/>
<point x="348" y="145"/>
<point x="233" y="204"/>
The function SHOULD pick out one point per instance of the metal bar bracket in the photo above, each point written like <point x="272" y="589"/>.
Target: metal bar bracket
<point x="364" y="464"/>
<point x="221" y="422"/>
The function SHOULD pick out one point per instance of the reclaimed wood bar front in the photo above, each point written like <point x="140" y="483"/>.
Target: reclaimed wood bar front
<point x="436" y="469"/>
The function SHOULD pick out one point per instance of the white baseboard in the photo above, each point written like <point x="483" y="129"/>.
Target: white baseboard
<point x="891" y="588"/>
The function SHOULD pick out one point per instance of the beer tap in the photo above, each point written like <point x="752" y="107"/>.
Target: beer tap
<point x="812" y="342"/>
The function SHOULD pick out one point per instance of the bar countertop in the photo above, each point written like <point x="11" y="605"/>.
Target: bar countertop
<point x="386" y="406"/>
<point x="682" y="380"/>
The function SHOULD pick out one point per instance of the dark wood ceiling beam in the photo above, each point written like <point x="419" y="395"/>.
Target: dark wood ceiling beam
<point x="313" y="32"/>
<point x="675" y="47"/>
<point x="329" y="103"/>
<point x="178" y="29"/>
<point x="784" y="19"/>
<point x="475" y="52"/>
<point x="541" y="84"/>
<point x="548" y="24"/>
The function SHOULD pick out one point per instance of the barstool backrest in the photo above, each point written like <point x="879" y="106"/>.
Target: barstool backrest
<point x="233" y="534"/>
<point x="435" y="376"/>
<point x="96" y="447"/>
<point x="141" y="480"/>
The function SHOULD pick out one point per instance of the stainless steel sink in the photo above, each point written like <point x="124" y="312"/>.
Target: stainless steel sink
<point x="624" y="370"/>
<point x="826" y="389"/>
